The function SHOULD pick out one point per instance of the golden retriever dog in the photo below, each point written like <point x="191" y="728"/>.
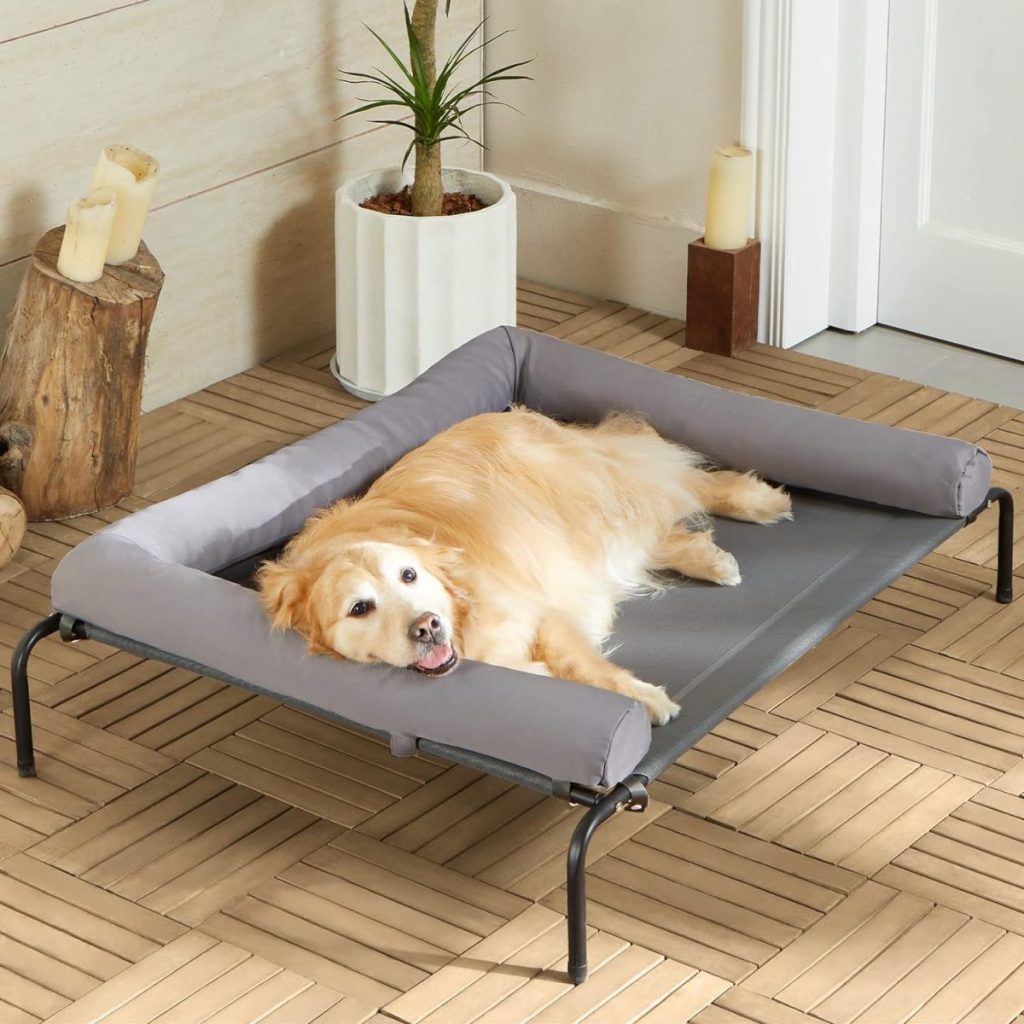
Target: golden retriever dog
<point x="510" y="539"/>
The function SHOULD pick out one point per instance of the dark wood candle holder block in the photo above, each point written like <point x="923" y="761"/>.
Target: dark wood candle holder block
<point x="722" y="290"/>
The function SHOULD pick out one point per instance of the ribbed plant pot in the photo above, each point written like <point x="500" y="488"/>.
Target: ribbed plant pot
<point x="412" y="289"/>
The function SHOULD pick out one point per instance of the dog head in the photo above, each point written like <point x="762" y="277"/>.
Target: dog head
<point x="371" y="601"/>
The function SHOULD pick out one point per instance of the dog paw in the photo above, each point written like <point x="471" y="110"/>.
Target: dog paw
<point x="661" y="708"/>
<point x="770" y="505"/>
<point x="726" y="570"/>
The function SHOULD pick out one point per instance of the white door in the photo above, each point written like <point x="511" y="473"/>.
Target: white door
<point x="952" y="255"/>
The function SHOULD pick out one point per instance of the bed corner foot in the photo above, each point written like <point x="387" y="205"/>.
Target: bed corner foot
<point x="631" y="793"/>
<point x="578" y="973"/>
<point x="1004" y="557"/>
<point x="19" y="693"/>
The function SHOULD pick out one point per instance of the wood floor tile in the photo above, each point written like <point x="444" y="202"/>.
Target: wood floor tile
<point x="925" y="596"/>
<point x="186" y="843"/>
<point x="62" y="937"/>
<point x="827" y="935"/>
<point x="971" y="860"/>
<point x="166" y="709"/>
<point x="494" y="831"/>
<point x="314" y="950"/>
<point x="706" y="896"/>
<point x="733" y="740"/>
<point x="79" y="769"/>
<point x="623" y="977"/>
<point x="773" y="756"/>
<point x="524" y="936"/>
<point x="197" y="979"/>
<point x="365" y="919"/>
<point x="976" y="956"/>
<point x="307" y="775"/>
<point x="837" y="800"/>
<point x="492" y="990"/>
<point x="538" y="866"/>
<point x="936" y="710"/>
<point x="438" y="890"/>
<point x="517" y="974"/>
<point x="837" y="661"/>
<point x="979" y="630"/>
<point x="438" y="800"/>
<point x="596" y="319"/>
<point x="741" y="1006"/>
<point x="684" y="1002"/>
<point x="979" y="544"/>
<point x="638" y="333"/>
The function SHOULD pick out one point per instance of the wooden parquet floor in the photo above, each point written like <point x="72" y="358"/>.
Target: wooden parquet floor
<point x="847" y="847"/>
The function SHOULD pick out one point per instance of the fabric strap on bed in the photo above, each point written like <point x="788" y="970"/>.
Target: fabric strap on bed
<point x="148" y="577"/>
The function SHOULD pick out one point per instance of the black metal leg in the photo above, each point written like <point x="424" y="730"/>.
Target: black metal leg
<point x="19" y="690"/>
<point x="1004" y="559"/>
<point x="632" y="793"/>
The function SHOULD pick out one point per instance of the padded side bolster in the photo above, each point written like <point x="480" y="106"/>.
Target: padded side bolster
<point x="939" y="476"/>
<point x="553" y="727"/>
<point x="268" y="501"/>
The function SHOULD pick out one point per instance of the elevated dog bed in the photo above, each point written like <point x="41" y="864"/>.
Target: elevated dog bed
<point x="171" y="582"/>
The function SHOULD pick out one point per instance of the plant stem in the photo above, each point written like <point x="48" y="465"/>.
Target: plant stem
<point x="427" y="189"/>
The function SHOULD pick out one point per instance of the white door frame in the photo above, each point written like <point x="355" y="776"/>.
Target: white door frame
<point x="813" y="112"/>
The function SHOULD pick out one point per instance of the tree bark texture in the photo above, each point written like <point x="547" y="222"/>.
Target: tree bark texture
<point x="71" y="383"/>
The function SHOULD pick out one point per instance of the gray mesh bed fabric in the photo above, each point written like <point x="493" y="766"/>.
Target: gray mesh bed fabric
<point x="870" y="501"/>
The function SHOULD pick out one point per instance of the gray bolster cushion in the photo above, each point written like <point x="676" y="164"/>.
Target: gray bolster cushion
<point x="939" y="476"/>
<point x="550" y="726"/>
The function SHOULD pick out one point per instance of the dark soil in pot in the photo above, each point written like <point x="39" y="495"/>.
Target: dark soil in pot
<point x="401" y="203"/>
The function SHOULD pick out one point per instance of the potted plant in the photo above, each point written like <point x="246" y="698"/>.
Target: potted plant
<point x="426" y="261"/>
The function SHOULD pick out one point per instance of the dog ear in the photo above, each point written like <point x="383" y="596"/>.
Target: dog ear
<point x="441" y="561"/>
<point x="284" y="591"/>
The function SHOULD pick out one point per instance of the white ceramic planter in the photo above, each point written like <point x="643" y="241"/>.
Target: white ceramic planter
<point x="412" y="289"/>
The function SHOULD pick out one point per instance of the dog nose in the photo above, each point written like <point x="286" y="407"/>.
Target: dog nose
<point x="425" y="627"/>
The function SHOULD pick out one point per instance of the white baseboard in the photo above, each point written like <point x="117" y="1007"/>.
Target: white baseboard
<point x="599" y="247"/>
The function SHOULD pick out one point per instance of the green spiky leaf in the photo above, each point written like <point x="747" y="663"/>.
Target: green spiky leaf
<point x="436" y="112"/>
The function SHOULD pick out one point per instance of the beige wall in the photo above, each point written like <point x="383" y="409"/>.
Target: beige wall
<point x="609" y="156"/>
<point x="238" y="101"/>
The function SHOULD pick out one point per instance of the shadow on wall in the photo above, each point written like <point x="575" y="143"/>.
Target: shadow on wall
<point x="295" y="257"/>
<point x="597" y="251"/>
<point x="293" y="269"/>
<point x="25" y="210"/>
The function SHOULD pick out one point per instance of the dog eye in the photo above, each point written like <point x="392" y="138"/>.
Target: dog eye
<point x="408" y="575"/>
<point x="360" y="608"/>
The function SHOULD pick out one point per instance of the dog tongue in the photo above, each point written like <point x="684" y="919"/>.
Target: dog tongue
<point x="436" y="658"/>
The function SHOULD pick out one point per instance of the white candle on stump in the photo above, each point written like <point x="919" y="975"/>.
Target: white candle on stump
<point x="728" y="198"/>
<point x="83" y="249"/>
<point x="132" y="175"/>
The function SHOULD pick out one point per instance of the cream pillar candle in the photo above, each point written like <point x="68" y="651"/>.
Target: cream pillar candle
<point x="83" y="249"/>
<point x="132" y="175"/>
<point x="728" y="198"/>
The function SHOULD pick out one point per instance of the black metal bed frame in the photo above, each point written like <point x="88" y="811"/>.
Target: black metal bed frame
<point x="630" y="794"/>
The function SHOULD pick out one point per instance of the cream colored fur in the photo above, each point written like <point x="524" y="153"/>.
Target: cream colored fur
<point x="517" y="537"/>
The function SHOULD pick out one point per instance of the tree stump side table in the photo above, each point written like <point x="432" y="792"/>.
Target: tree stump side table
<point x="71" y="383"/>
